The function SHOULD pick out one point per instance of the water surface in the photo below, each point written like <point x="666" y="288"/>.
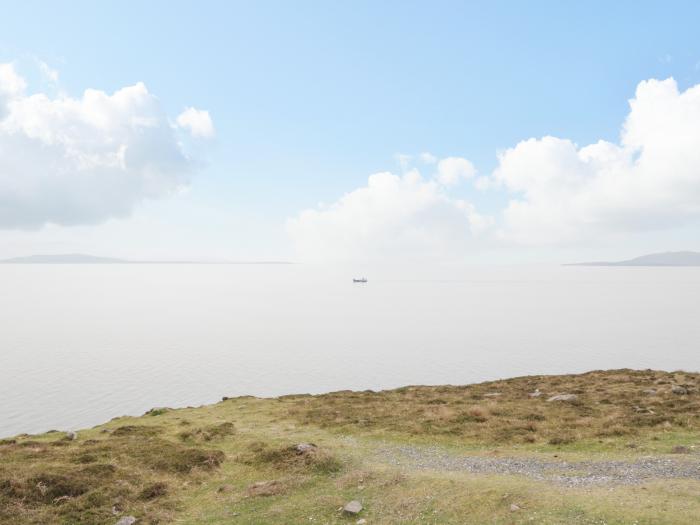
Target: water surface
<point x="80" y="344"/>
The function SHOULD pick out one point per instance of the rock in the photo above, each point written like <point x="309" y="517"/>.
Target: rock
<point x="563" y="397"/>
<point x="361" y="521"/>
<point x="679" y="390"/>
<point x="305" y="448"/>
<point x="514" y="507"/>
<point x="492" y="394"/>
<point x="127" y="520"/>
<point x="71" y="436"/>
<point x="353" y="507"/>
<point x="536" y="393"/>
<point x="649" y="392"/>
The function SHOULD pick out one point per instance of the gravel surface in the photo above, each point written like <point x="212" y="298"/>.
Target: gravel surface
<point x="568" y="473"/>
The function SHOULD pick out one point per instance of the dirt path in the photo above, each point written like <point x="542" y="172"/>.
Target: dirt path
<point x="568" y="473"/>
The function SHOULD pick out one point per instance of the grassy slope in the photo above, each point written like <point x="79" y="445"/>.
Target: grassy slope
<point x="197" y="465"/>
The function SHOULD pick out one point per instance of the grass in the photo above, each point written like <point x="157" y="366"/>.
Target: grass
<point x="239" y="461"/>
<point x="609" y="404"/>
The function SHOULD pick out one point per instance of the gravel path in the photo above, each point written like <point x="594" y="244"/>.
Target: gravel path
<point x="568" y="473"/>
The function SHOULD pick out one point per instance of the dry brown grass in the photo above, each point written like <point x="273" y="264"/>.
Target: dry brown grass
<point x="609" y="404"/>
<point x="290" y="458"/>
<point x="88" y="482"/>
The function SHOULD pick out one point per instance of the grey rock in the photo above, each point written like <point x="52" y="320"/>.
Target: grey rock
<point x="677" y="389"/>
<point x="127" y="520"/>
<point x="514" y="507"/>
<point x="563" y="397"/>
<point x="536" y="393"/>
<point x="361" y="521"/>
<point x="71" y="436"/>
<point x="353" y="507"/>
<point x="649" y="392"/>
<point x="304" y="448"/>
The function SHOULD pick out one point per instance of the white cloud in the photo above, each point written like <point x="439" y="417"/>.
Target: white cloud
<point x="392" y="216"/>
<point x="82" y="160"/>
<point x="453" y="169"/>
<point x="554" y="192"/>
<point x="428" y="158"/>
<point x="11" y="86"/>
<point x="198" y="122"/>
<point x="650" y="180"/>
<point x="48" y="72"/>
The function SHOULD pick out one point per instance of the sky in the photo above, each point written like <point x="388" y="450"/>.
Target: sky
<point x="484" y="132"/>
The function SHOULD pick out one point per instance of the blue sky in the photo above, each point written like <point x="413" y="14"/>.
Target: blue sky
<point x="310" y="98"/>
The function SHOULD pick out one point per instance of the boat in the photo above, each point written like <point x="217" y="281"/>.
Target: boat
<point x="361" y="280"/>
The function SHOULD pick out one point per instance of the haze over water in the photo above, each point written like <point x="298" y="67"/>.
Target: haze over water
<point x="84" y="343"/>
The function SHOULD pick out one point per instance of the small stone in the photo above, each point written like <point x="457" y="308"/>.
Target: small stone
<point x="127" y="520"/>
<point x="649" y="392"/>
<point x="536" y="393"/>
<point x="361" y="521"/>
<point x="71" y="436"/>
<point x="679" y="390"/>
<point x="305" y="448"/>
<point x="353" y="507"/>
<point x="492" y="394"/>
<point x="563" y="397"/>
<point x="514" y="507"/>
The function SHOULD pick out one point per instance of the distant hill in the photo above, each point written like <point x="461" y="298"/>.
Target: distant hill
<point x="79" y="258"/>
<point x="654" y="259"/>
<point x="64" y="258"/>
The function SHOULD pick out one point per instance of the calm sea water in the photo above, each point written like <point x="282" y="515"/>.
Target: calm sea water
<point x="80" y="344"/>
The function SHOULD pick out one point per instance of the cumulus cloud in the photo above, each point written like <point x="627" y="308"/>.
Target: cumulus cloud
<point x="392" y="216"/>
<point x="83" y="160"/>
<point x="650" y="180"/>
<point x="11" y="85"/>
<point x="197" y="121"/>
<point x="428" y="158"/>
<point x="48" y="72"/>
<point x="453" y="169"/>
<point x="552" y="190"/>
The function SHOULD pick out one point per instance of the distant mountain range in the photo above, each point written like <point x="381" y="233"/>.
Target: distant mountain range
<point x="79" y="258"/>
<point x="63" y="258"/>
<point x="654" y="259"/>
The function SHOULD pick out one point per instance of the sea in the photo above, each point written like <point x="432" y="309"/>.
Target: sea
<point x="83" y="343"/>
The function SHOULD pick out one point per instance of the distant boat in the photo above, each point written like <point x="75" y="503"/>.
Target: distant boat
<point x="362" y="280"/>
